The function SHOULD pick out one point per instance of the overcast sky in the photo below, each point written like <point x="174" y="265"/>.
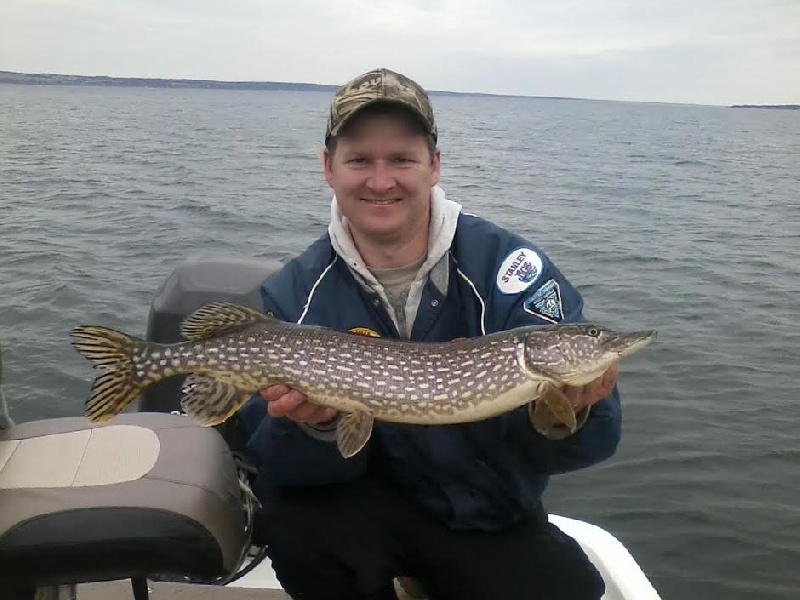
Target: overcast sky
<point x="695" y="51"/>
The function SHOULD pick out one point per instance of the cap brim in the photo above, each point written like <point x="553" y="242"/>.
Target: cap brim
<point x="334" y="131"/>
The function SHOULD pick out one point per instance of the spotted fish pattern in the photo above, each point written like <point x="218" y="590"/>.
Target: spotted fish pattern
<point x="233" y="351"/>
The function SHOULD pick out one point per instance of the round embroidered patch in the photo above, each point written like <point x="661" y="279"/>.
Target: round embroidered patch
<point x="520" y="269"/>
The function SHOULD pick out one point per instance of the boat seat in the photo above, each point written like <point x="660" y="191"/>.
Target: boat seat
<point x="147" y="494"/>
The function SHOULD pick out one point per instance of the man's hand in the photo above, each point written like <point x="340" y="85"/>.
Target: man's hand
<point x="283" y="401"/>
<point x="594" y="391"/>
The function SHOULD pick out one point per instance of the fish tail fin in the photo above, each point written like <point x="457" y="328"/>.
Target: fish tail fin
<point x="112" y="353"/>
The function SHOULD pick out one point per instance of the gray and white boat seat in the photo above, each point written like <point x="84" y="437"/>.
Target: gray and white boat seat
<point x="148" y="495"/>
<point x="144" y="495"/>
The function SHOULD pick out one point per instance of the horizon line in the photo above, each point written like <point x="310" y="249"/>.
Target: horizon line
<point x="19" y="77"/>
<point x="63" y="78"/>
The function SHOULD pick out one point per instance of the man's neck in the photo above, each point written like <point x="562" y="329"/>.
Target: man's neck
<point x="393" y="253"/>
<point x="388" y="254"/>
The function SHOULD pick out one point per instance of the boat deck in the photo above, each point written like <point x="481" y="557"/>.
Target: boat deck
<point x="121" y="590"/>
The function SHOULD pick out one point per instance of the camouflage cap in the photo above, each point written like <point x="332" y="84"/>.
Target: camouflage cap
<point x="379" y="85"/>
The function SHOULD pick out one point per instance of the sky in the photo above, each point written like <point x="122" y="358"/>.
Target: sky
<point x="716" y="52"/>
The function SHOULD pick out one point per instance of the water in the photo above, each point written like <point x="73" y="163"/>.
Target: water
<point x="682" y="218"/>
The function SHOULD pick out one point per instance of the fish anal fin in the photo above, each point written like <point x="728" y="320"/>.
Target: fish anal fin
<point x="353" y="431"/>
<point x="554" y="400"/>
<point x="211" y="401"/>
<point x="217" y="318"/>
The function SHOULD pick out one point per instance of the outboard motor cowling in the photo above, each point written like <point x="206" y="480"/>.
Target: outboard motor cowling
<point x="191" y="285"/>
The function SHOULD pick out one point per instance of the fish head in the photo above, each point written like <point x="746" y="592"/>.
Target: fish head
<point x="575" y="354"/>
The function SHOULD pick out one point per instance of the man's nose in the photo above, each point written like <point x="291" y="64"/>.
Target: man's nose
<point x="381" y="179"/>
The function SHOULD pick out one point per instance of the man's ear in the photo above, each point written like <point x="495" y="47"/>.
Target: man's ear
<point x="327" y="166"/>
<point x="436" y="165"/>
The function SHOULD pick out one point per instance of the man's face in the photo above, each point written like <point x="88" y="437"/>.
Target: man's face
<point x="382" y="172"/>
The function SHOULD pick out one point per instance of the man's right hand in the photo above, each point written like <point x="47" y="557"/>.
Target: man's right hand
<point x="283" y="401"/>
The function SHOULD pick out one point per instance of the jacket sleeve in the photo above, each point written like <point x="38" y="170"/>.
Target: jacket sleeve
<point x="597" y="439"/>
<point x="287" y="453"/>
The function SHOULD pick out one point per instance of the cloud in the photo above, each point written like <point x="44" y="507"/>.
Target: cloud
<point x="714" y="51"/>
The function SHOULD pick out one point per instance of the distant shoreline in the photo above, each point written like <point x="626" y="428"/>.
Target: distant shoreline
<point x="14" y="77"/>
<point x="103" y="80"/>
<point x="773" y="106"/>
<point x="209" y="84"/>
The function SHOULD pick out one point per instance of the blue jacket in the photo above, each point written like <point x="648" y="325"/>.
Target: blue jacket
<point x="482" y="475"/>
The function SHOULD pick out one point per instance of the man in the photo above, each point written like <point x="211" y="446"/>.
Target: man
<point x="458" y="508"/>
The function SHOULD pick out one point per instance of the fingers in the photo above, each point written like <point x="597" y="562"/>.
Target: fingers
<point x="582" y="396"/>
<point x="574" y="394"/>
<point x="610" y="379"/>
<point x="602" y="387"/>
<point x="307" y="412"/>
<point x="282" y="401"/>
<point x="274" y="392"/>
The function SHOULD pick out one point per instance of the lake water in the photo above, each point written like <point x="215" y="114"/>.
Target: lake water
<point x="681" y="218"/>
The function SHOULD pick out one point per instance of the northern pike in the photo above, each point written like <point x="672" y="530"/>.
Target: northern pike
<point x="233" y="351"/>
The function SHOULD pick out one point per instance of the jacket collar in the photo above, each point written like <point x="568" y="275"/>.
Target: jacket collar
<point x="444" y="219"/>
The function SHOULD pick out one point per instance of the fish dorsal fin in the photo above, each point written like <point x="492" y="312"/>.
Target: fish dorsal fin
<point x="220" y="317"/>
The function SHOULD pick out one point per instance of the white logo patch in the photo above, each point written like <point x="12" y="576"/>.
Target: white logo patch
<point x="519" y="270"/>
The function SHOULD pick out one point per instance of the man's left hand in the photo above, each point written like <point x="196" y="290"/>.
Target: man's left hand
<point x="585" y="395"/>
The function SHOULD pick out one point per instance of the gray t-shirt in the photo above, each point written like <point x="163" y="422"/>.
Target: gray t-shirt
<point x="397" y="283"/>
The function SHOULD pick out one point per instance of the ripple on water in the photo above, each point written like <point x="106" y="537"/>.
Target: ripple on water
<point x="680" y="218"/>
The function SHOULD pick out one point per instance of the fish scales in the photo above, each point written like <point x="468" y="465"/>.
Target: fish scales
<point x="231" y="352"/>
<point x="388" y="378"/>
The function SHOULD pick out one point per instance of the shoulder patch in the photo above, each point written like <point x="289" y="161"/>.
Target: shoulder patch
<point x="518" y="271"/>
<point x="545" y="302"/>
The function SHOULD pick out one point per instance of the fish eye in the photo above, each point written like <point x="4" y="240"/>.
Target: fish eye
<point x="593" y="331"/>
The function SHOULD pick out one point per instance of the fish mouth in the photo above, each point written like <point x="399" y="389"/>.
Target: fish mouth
<point x="629" y="343"/>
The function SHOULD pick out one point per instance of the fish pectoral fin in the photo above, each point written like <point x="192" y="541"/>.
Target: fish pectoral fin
<point x="217" y="318"/>
<point x="543" y="418"/>
<point x="211" y="401"/>
<point x="554" y="400"/>
<point x="353" y="431"/>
